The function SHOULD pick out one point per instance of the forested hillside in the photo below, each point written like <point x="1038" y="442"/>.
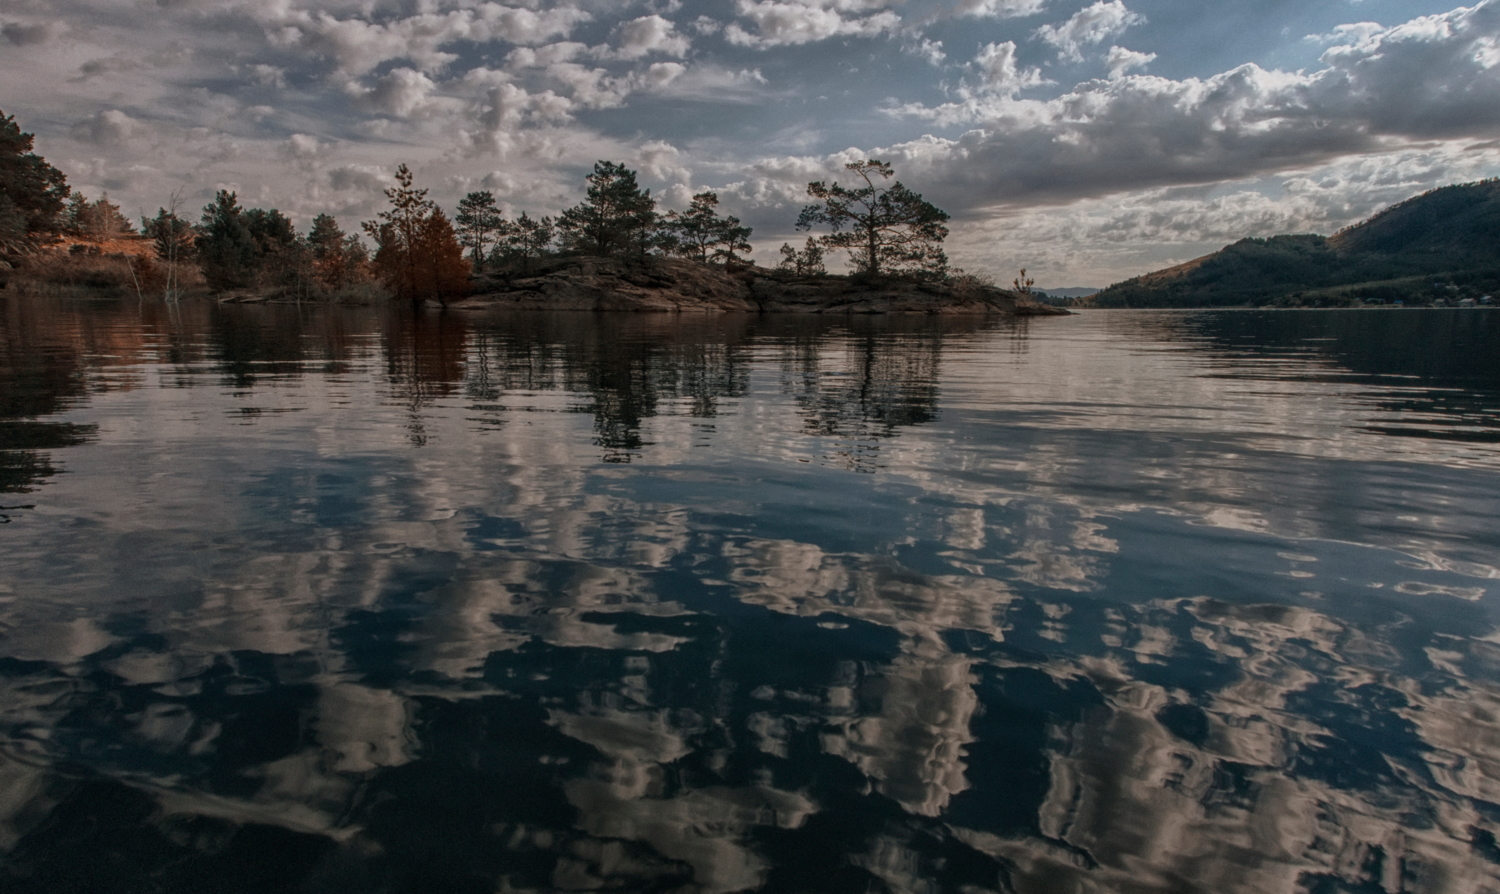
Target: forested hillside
<point x="1442" y="245"/>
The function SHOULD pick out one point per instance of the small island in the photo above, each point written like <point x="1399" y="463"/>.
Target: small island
<point x="612" y="252"/>
<point x="680" y="286"/>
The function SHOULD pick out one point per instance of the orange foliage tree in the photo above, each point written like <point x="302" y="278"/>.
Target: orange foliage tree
<point x="417" y="253"/>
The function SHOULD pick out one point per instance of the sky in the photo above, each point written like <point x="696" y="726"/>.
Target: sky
<point x="1085" y="140"/>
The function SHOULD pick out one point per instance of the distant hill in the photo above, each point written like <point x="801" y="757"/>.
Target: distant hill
<point x="1443" y="244"/>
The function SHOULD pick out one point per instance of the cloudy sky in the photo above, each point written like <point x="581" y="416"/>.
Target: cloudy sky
<point x="1086" y="141"/>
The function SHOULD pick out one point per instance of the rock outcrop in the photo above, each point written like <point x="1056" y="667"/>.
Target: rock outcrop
<point x="674" y="286"/>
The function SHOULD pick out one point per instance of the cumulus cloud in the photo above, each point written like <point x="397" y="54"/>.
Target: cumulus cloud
<point x="998" y="72"/>
<point x="108" y="128"/>
<point x="303" y="147"/>
<point x="402" y="93"/>
<point x="780" y="24"/>
<point x="999" y="9"/>
<point x="1428" y="78"/>
<point x="1089" y="26"/>
<point x="362" y="178"/>
<point x="1120" y="60"/>
<point x="268" y="76"/>
<point x="357" y="45"/>
<point x="647" y="35"/>
<point x="930" y="50"/>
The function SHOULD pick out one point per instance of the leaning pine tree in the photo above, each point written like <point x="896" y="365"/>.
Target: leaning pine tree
<point x="887" y="230"/>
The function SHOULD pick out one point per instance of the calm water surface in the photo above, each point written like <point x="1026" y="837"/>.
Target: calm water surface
<point x="357" y="601"/>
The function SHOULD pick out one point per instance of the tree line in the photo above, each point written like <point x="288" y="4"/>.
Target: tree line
<point x="420" y="253"/>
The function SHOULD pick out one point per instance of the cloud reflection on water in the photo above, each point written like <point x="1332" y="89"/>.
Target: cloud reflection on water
<point x="736" y="603"/>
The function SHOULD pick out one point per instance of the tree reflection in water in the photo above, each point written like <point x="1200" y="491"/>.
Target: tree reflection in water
<point x="551" y="602"/>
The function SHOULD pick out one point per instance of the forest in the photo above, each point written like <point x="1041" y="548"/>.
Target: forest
<point x="54" y="240"/>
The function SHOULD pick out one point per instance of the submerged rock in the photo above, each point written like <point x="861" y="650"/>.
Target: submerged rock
<point x="676" y="286"/>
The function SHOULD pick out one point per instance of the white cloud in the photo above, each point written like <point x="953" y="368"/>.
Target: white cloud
<point x="930" y="50"/>
<point x="592" y="88"/>
<point x="780" y="24"/>
<point x="268" y="76"/>
<point x="543" y="56"/>
<point x="1120" y="60"/>
<point x="649" y="34"/>
<point x="999" y="9"/>
<point x="357" y="46"/>
<point x="1089" y="26"/>
<point x="402" y="92"/>
<point x="660" y="160"/>
<point x="998" y="73"/>
<point x="303" y="147"/>
<point x="1351" y="33"/>
<point x="1421" y="80"/>
<point x="659" y="75"/>
<point x="110" y="128"/>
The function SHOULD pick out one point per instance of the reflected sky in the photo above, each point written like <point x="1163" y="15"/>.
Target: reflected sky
<point x="356" y="600"/>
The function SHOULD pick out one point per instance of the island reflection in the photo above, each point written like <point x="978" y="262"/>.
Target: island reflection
<point x="732" y="604"/>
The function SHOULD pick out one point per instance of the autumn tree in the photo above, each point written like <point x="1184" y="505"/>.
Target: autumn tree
<point x="700" y="233"/>
<point x="339" y="259"/>
<point x="417" y="252"/>
<point x="442" y="271"/>
<point x="478" y="223"/>
<point x="32" y="191"/>
<point x="616" y="216"/>
<point x="885" y="229"/>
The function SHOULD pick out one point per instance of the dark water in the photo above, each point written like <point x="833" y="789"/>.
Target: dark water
<point x="1125" y="602"/>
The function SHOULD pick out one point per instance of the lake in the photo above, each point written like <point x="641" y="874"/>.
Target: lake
<point x="363" y="600"/>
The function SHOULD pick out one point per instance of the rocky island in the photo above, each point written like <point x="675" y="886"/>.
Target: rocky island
<point x="666" y="285"/>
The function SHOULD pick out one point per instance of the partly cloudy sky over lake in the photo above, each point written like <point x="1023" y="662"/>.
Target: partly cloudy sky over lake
<point x="1086" y="141"/>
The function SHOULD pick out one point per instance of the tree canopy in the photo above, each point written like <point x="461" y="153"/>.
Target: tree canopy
<point x="885" y="229"/>
<point x="478" y="224"/>
<point x="32" y="192"/>
<point x="700" y="233"/>
<point x="227" y="251"/>
<point x="616" y="216"/>
<point x="418" y="254"/>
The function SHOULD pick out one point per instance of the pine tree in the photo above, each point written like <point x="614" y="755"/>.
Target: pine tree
<point x="886" y="229"/>
<point x="395" y="234"/>
<point x="807" y="262"/>
<point x="226" y="249"/>
<point x="478" y="222"/>
<point x="616" y="216"/>
<point x="32" y="191"/>
<point x="98" y="220"/>
<point x="700" y="233"/>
